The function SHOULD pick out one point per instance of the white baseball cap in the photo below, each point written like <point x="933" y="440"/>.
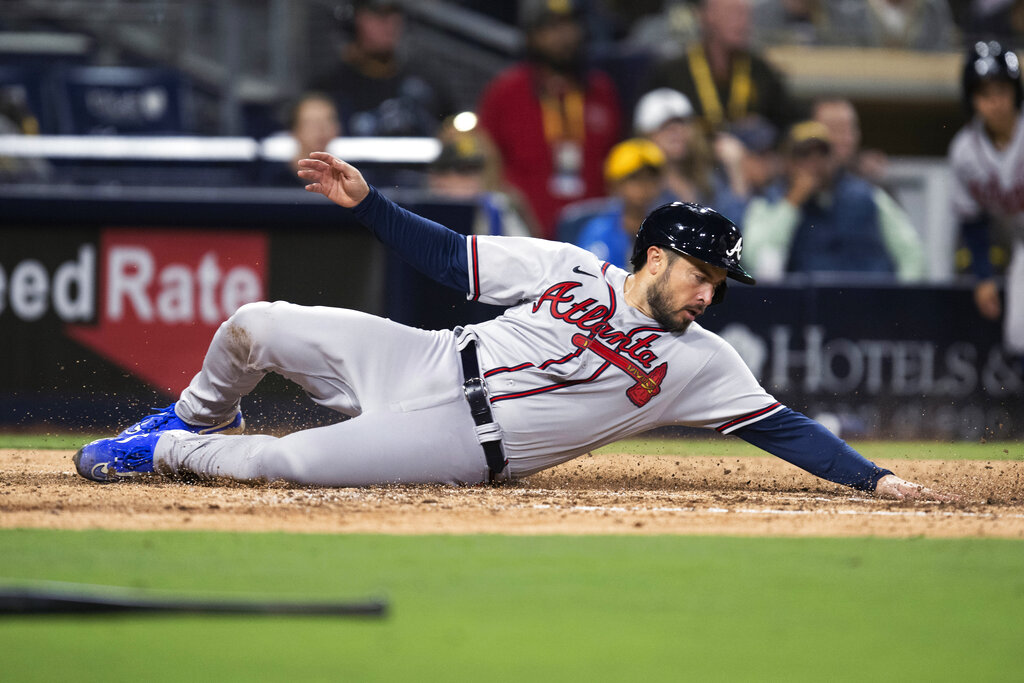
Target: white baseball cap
<point x="658" y="107"/>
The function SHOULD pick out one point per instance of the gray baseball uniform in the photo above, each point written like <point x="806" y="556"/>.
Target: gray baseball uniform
<point x="568" y="367"/>
<point x="571" y="368"/>
<point x="989" y="183"/>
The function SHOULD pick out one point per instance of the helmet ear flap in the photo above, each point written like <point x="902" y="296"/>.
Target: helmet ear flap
<point x="719" y="295"/>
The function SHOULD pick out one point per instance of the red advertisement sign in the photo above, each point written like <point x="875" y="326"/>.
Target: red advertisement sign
<point x="162" y="294"/>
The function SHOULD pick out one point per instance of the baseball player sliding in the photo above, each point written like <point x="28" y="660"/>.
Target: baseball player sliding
<point x="585" y="354"/>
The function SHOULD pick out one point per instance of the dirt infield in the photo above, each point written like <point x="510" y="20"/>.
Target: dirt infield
<point x="617" y="494"/>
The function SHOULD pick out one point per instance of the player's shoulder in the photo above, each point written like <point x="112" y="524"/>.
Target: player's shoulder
<point x="698" y="333"/>
<point x="534" y="246"/>
<point x="965" y="142"/>
<point x="719" y="351"/>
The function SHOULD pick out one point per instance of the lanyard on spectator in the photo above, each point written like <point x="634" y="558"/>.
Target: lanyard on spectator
<point x="563" y="117"/>
<point x="740" y="87"/>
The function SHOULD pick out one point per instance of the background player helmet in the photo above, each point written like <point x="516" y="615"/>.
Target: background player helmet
<point x="987" y="61"/>
<point x="697" y="231"/>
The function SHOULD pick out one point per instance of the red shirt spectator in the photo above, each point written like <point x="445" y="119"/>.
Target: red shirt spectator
<point x="552" y="121"/>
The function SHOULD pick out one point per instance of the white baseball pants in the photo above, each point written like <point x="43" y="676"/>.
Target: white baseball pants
<point x="404" y="385"/>
<point x="1013" y="322"/>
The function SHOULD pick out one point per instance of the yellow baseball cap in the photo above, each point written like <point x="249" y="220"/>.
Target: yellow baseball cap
<point x="628" y="157"/>
<point x="808" y="134"/>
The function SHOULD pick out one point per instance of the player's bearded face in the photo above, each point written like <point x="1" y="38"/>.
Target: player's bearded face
<point x="658" y="305"/>
<point x="670" y="299"/>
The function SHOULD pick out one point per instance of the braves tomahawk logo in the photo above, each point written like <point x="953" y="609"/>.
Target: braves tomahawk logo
<point x="647" y="386"/>
<point x="624" y="350"/>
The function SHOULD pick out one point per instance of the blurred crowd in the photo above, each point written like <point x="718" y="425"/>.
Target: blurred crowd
<point x="553" y="148"/>
<point x="557" y="151"/>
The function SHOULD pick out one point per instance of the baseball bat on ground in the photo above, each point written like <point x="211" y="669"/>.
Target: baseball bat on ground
<point x="86" y="600"/>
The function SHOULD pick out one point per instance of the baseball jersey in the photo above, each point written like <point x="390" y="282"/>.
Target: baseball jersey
<point x="987" y="181"/>
<point x="571" y="366"/>
<point x="988" y="184"/>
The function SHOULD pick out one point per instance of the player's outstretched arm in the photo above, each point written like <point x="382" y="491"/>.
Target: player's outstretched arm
<point x="798" y="439"/>
<point x="335" y="179"/>
<point x="430" y="247"/>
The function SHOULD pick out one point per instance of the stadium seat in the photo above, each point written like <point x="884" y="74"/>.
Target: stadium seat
<point x="109" y="100"/>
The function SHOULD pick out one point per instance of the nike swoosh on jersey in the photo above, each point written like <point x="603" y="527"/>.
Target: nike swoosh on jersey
<point x="576" y="269"/>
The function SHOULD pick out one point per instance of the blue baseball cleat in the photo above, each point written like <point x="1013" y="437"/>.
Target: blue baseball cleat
<point x="107" y="460"/>
<point x="166" y="419"/>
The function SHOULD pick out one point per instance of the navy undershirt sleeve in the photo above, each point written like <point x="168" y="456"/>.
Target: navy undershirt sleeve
<point x="798" y="439"/>
<point x="434" y="250"/>
<point x="976" y="239"/>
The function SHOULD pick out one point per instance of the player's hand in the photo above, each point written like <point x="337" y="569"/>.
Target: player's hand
<point x="891" y="486"/>
<point x="340" y="182"/>
<point x="986" y="298"/>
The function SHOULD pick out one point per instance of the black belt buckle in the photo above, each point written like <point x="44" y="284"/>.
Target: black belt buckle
<point x="476" y="396"/>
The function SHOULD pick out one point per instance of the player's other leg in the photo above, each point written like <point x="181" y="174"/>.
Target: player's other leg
<point x="345" y="360"/>
<point x="258" y="338"/>
<point x="123" y="457"/>
<point x="403" y="383"/>
<point x="164" y="419"/>
<point x="437" y="444"/>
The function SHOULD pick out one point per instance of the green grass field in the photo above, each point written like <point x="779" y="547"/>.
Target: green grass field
<point x="531" y="608"/>
<point x="559" y="608"/>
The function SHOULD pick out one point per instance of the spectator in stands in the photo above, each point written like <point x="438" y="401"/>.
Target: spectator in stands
<point x="697" y="169"/>
<point x="792" y="22"/>
<point x="666" y="118"/>
<point x="721" y="75"/>
<point x="633" y="172"/>
<point x="552" y="120"/>
<point x="313" y="123"/>
<point x="822" y="218"/>
<point x="900" y="24"/>
<point x="666" y="33"/>
<point x="1001" y="20"/>
<point x="376" y="91"/>
<point x="17" y="119"/>
<point x="840" y="117"/>
<point x="460" y="172"/>
<point x="747" y="149"/>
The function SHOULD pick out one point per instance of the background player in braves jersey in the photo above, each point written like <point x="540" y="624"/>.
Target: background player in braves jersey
<point x="987" y="161"/>
<point x="586" y="353"/>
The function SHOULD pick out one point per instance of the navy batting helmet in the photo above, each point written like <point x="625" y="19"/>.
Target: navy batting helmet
<point x="697" y="231"/>
<point x="990" y="61"/>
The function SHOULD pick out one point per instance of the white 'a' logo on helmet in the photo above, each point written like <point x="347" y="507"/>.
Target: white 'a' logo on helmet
<point x="736" y="249"/>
